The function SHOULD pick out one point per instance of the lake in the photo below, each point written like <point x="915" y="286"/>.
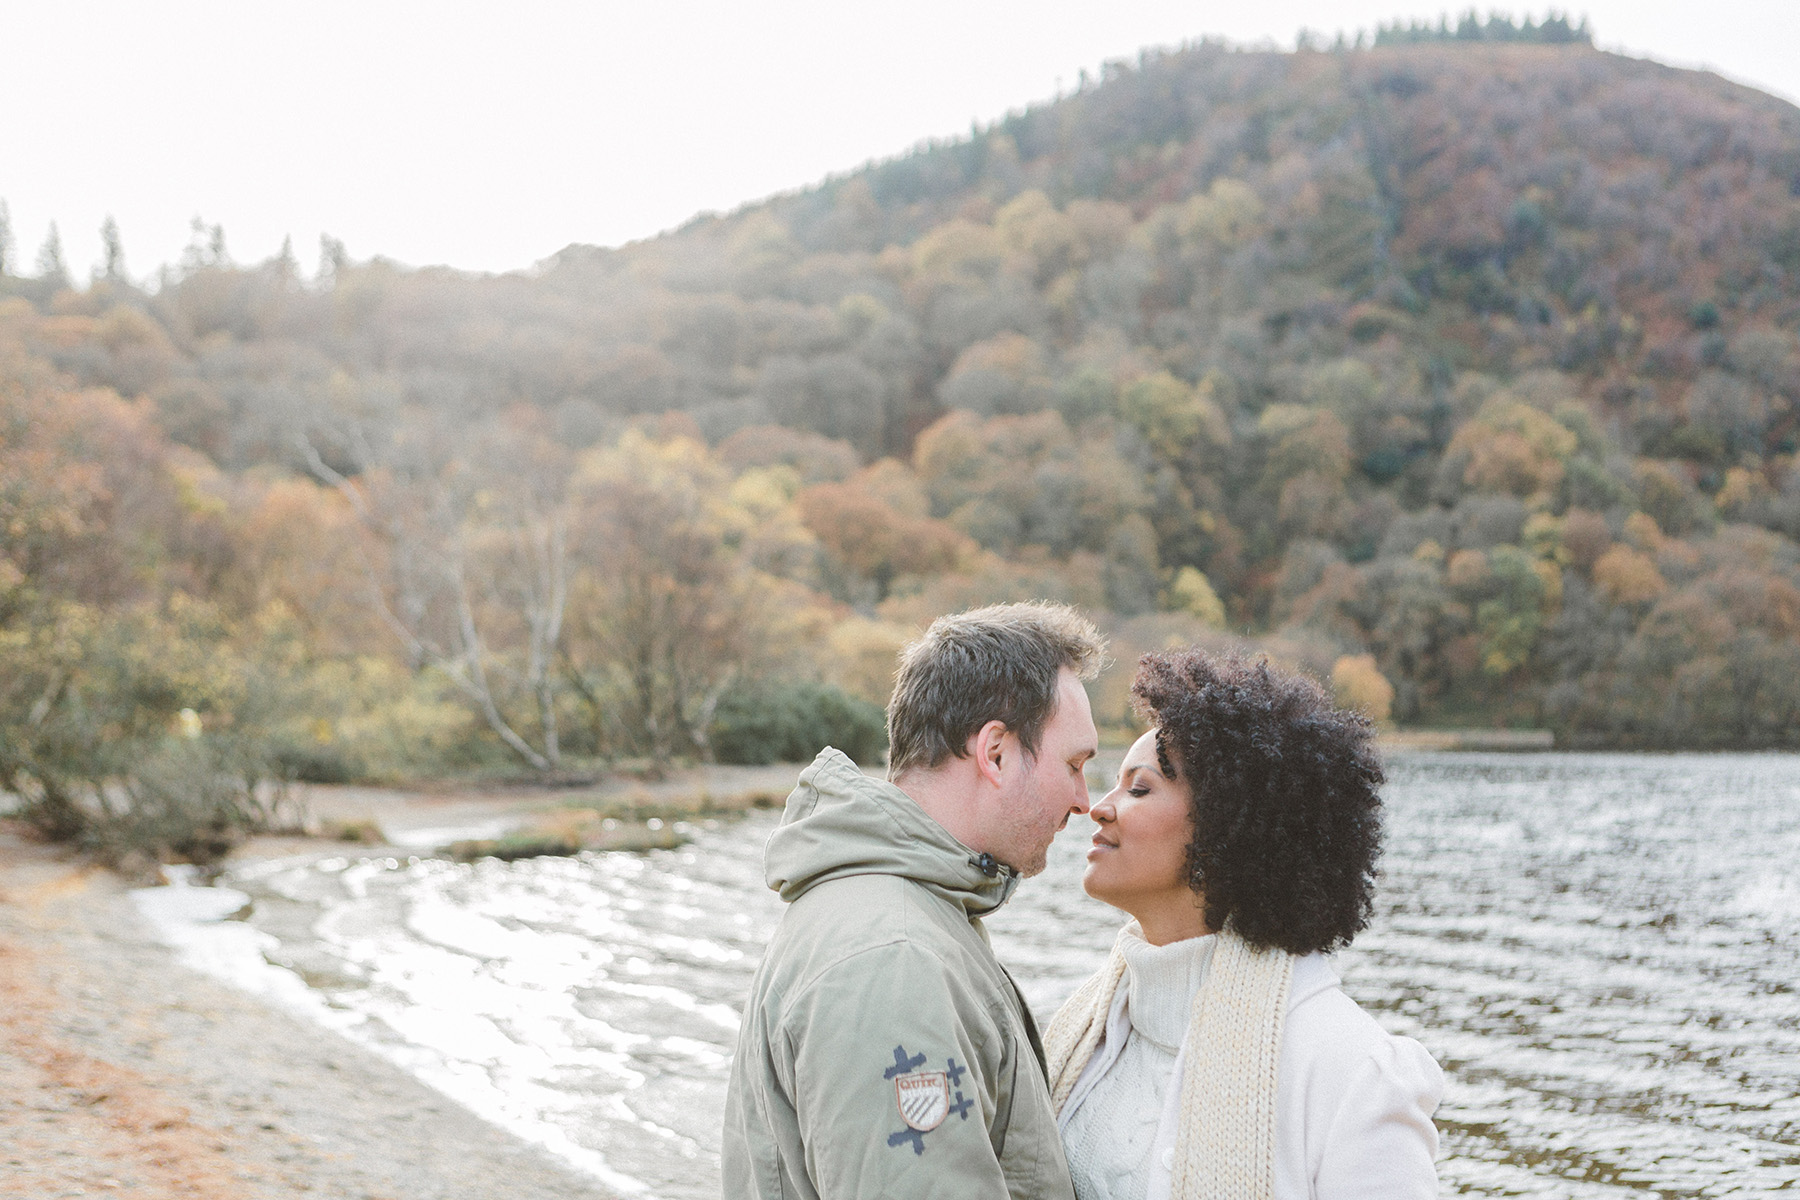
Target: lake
<point x="1603" y="952"/>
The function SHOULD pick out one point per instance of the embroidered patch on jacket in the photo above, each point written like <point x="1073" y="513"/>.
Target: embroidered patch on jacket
<point x="924" y="1099"/>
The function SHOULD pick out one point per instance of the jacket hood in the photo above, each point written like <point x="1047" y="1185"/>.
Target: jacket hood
<point x="840" y="822"/>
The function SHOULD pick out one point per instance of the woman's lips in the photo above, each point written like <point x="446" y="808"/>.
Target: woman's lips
<point x="1100" y="844"/>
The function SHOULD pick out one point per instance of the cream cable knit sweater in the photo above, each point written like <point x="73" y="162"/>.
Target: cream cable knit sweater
<point x="1110" y="1133"/>
<point x="1225" y="1145"/>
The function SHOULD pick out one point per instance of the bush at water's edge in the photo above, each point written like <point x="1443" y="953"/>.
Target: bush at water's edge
<point x="791" y="722"/>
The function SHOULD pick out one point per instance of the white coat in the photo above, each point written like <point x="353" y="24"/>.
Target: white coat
<point x="1353" y="1103"/>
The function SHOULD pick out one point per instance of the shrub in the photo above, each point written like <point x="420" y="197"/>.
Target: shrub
<point x="185" y="802"/>
<point x="1357" y="683"/>
<point x="316" y="764"/>
<point x="778" y="721"/>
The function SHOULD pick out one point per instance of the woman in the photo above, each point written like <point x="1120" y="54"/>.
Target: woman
<point x="1215" y="1054"/>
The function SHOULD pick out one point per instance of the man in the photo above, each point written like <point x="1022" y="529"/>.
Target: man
<point x="884" y="1051"/>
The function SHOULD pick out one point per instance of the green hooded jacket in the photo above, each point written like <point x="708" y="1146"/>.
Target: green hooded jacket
<point x="884" y="1051"/>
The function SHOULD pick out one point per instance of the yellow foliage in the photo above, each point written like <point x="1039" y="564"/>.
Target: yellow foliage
<point x="1192" y="593"/>
<point x="299" y="544"/>
<point x="1358" y="684"/>
<point x="1628" y="576"/>
<point x="125" y="328"/>
<point x="1230" y="214"/>
<point x="1641" y="531"/>
<point x="1543" y="536"/>
<point x="1742" y="490"/>
<point x="198" y="484"/>
<point x="958" y="245"/>
<point x="1029" y="224"/>
<point x="1512" y="447"/>
<point x="864" y="654"/>
<point x="1551" y="574"/>
<point x="762" y="508"/>
<point x="1171" y="413"/>
<point x="1028" y="206"/>
<point x="675" y="466"/>
<point x="764" y="491"/>
<point x="389" y="719"/>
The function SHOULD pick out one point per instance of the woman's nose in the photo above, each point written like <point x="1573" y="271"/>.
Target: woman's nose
<point x="1102" y="809"/>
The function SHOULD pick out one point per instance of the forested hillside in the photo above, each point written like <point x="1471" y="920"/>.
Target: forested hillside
<point x="1467" y="371"/>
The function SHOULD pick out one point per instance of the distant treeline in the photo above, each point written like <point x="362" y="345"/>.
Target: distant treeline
<point x="1466" y="375"/>
<point x="1554" y="30"/>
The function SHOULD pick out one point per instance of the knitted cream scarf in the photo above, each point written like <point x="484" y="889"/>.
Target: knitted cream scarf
<point x="1225" y="1143"/>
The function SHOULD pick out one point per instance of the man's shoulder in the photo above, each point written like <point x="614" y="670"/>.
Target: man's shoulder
<point x="884" y="929"/>
<point x="859" y="911"/>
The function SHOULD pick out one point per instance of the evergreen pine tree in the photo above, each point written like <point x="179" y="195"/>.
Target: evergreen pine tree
<point x="50" y="265"/>
<point x="112" y="251"/>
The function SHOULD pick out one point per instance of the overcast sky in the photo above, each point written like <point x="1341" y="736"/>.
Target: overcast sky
<point x="488" y="136"/>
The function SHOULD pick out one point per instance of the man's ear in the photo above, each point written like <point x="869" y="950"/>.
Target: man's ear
<point x="987" y="748"/>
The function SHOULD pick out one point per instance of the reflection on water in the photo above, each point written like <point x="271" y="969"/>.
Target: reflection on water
<point x="1602" y="951"/>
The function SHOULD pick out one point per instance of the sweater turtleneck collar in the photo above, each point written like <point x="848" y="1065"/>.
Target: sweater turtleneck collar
<point x="1162" y="982"/>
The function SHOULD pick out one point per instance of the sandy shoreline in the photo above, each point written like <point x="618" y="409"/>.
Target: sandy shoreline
<point x="123" y="1072"/>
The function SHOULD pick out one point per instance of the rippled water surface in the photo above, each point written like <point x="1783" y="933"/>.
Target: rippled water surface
<point x="1602" y="951"/>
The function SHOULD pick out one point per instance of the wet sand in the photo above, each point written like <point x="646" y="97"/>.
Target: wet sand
<point x="123" y="1072"/>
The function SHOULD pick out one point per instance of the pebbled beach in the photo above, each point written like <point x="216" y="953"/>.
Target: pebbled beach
<point x="124" y="1072"/>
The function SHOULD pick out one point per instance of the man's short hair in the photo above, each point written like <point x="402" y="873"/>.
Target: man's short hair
<point x="998" y="663"/>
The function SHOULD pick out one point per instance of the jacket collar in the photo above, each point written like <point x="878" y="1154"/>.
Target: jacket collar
<point x="840" y="822"/>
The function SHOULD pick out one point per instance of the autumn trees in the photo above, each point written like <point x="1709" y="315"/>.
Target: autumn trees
<point x="681" y="591"/>
<point x="466" y="544"/>
<point x="1464" y="372"/>
<point x="111" y="653"/>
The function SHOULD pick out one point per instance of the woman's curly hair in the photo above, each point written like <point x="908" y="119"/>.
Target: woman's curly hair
<point x="1284" y="794"/>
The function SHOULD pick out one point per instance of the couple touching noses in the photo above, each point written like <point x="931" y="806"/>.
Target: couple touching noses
<point x="886" y="1052"/>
